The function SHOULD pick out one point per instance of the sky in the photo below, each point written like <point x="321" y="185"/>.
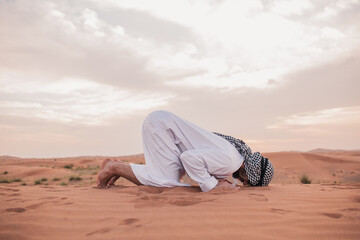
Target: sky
<point x="77" y="78"/>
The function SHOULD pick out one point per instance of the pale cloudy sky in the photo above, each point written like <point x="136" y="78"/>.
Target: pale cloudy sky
<point x="78" y="77"/>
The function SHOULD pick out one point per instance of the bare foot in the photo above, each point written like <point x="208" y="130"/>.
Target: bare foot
<point x="113" y="180"/>
<point x="106" y="173"/>
<point x="102" y="167"/>
<point x="104" y="163"/>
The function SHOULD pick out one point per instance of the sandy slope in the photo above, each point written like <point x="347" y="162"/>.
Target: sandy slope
<point x="284" y="210"/>
<point x="326" y="167"/>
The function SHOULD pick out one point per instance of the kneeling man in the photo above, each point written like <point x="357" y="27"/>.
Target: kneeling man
<point x="173" y="146"/>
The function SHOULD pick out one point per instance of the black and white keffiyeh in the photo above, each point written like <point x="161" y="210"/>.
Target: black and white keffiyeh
<point x="254" y="162"/>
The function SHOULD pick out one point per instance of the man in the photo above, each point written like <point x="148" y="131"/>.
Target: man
<point x="173" y="146"/>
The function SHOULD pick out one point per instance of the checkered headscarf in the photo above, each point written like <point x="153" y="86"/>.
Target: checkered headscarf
<point x="254" y="162"/>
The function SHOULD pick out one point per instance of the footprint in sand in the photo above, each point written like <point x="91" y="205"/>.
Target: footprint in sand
<point x="152" y="190"/>
<point x="280" y="211"/>
<point x="159" y="201"/>
<point x="357" y="198"/>
<point x="128" y="222"/>
<point x="333" y="215"/>
<point x="351" y="209"/>
<point x="52" y="200"/>
<point x="18" y="210"/>
<point x="101" y="230"/>
<point x="185" y="201"/>
<point x="131" y="223"/>
<point x="150" y="201"/>
<point x="258" y="197"/>
<point x="32" y="206"/>
<point x="35" y="205"/>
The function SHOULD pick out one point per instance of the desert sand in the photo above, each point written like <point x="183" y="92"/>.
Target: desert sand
<point x="57" y="199"/>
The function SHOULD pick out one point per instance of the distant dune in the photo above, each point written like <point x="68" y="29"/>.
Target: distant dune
<point x="8" y="158"/>
<point x="56" y="198"/>
<point x="322" y="167"/>
<point x="324" y="150"/>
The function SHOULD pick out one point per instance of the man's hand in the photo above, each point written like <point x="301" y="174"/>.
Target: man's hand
<point x="225" y="184"/>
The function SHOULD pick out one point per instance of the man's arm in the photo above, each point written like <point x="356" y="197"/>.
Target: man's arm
<point x="197" y="169"/>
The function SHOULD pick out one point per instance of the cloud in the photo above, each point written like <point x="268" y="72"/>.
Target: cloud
<point x="225" y="44"/>
<point x="58" y="40"/>
<point x="84" y="74"/>
<point x="143" y="25"/>
<point x="288" y="8"/>
<point x="332" y="116"/>
<point x="75" y="101"/>
<point x="335" y="128"/>
<point x="329" y="85"/>
<point x="309" y="94"/>
<point x="244" y="44"/>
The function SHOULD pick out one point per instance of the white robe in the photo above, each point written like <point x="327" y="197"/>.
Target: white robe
<point x="173" y="145"/>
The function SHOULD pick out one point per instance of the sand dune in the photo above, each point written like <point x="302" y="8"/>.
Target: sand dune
<point x="321" y="168"/>
<point x="43" y="199"/>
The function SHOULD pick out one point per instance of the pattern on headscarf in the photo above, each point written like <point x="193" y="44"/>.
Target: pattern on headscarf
<point x="252" y="161"/>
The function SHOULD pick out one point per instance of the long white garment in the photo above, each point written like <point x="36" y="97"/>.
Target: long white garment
<point x="173" y="145"/>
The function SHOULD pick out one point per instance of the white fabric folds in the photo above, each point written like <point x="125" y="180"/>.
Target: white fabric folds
<point x="173" y="145"/>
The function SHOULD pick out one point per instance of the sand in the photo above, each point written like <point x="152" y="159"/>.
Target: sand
<point x="57" y="208"/>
